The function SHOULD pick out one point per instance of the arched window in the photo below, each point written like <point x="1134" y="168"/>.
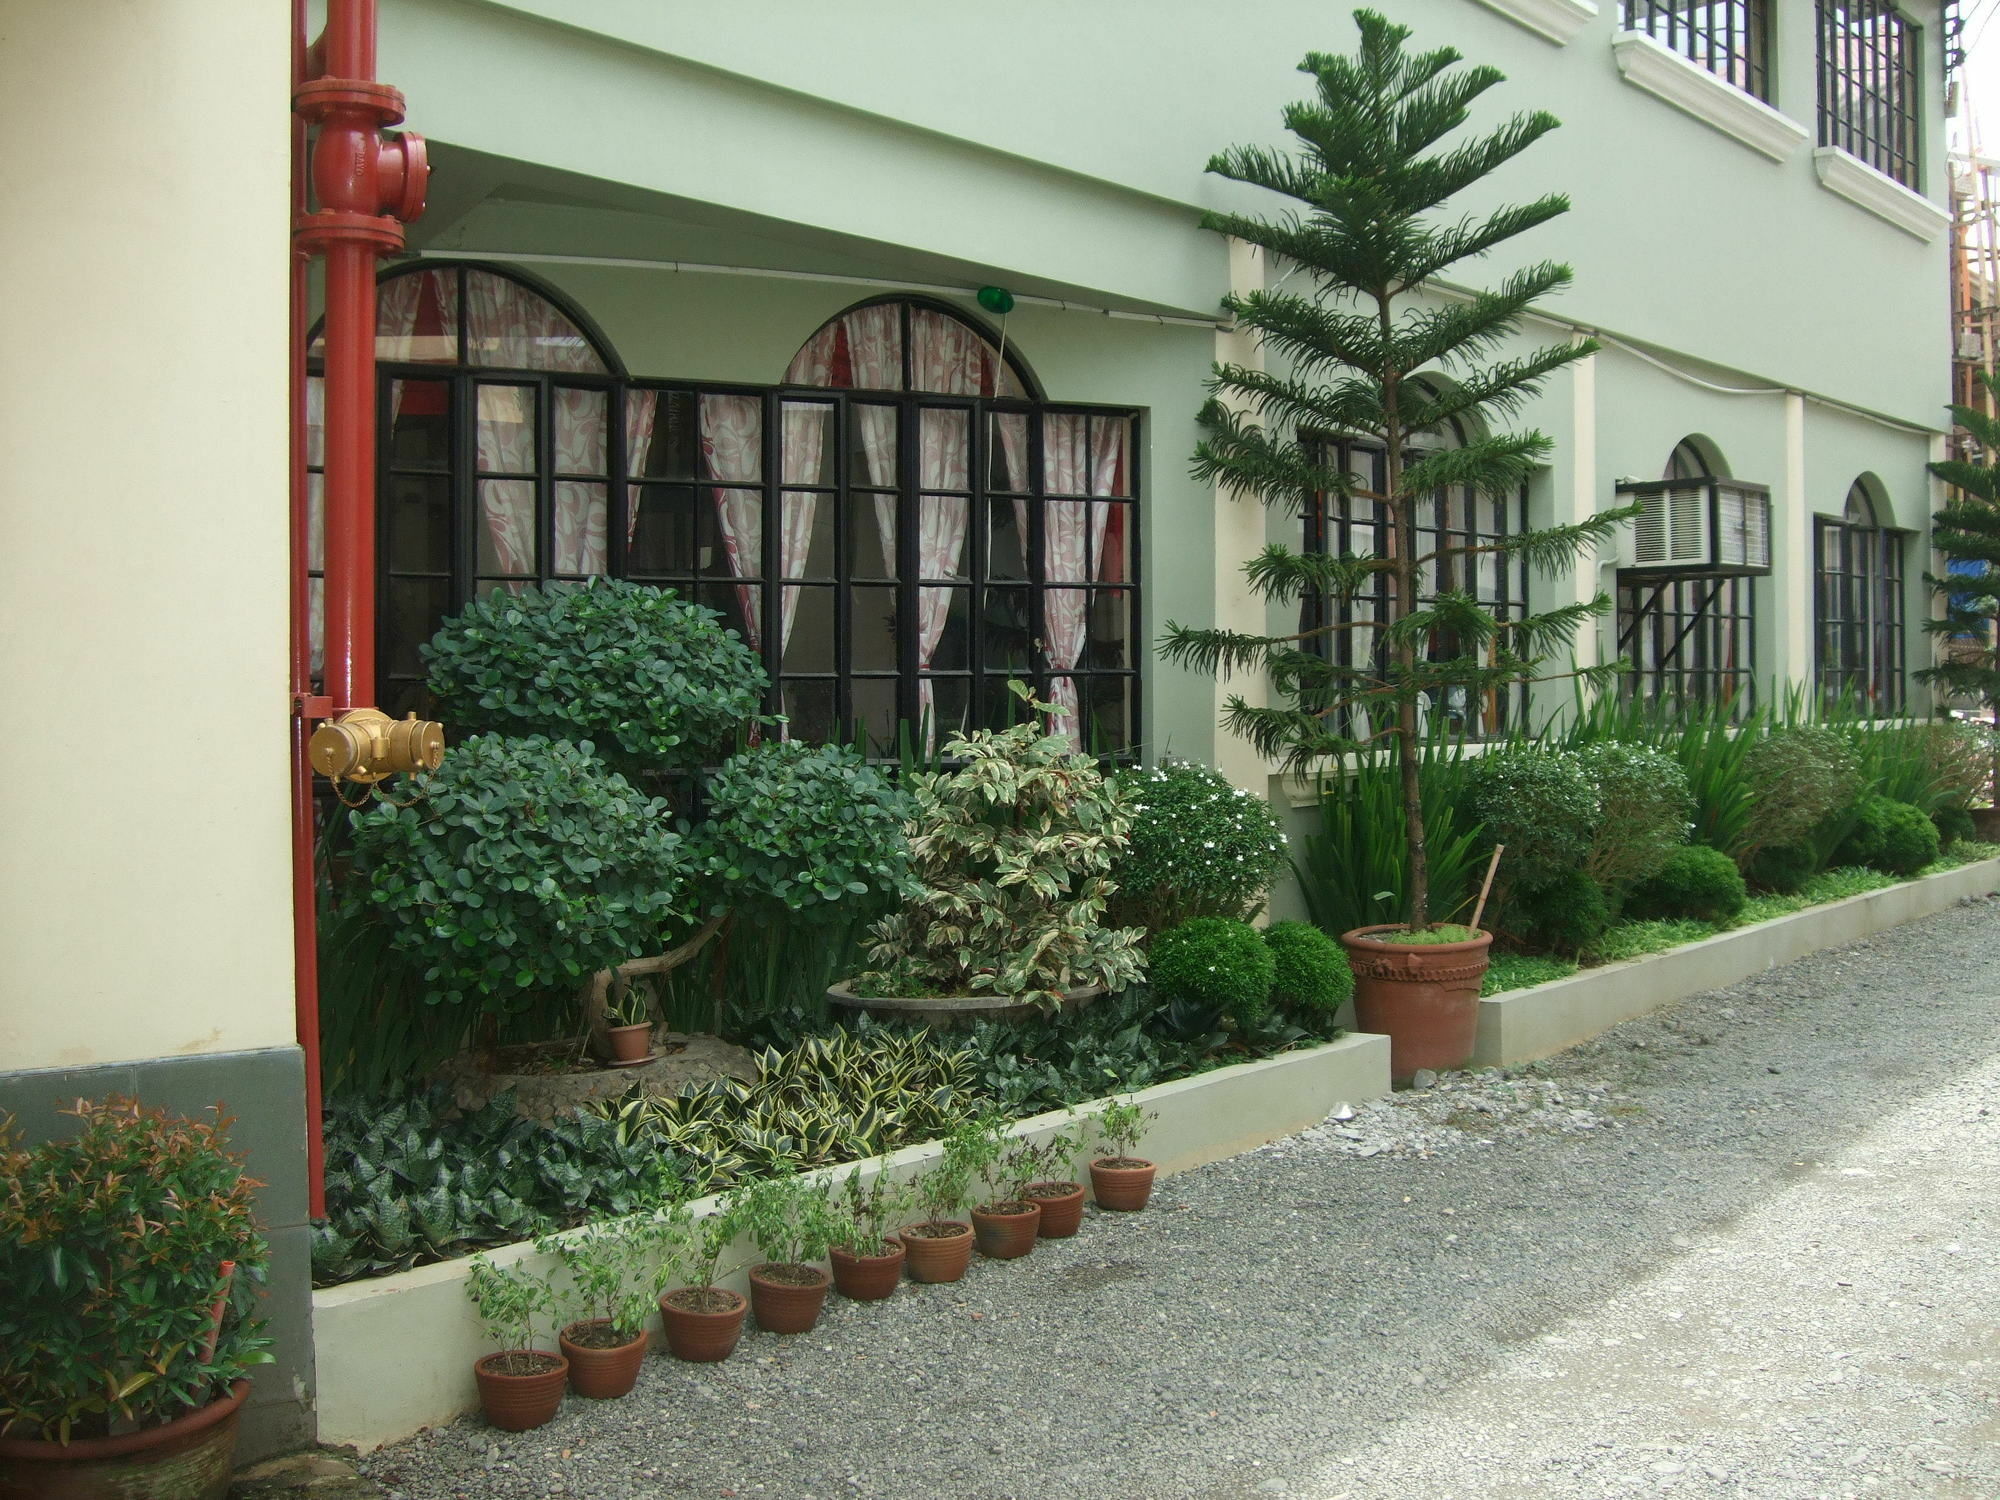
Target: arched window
<point x="494" y="450"/>
<point x="1453" y="516"/>
<point x="1688" y="635"/>
<point x="1858" y="604"/>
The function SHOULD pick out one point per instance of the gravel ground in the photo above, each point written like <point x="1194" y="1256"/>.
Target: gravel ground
<point x="1421" y="1299"/>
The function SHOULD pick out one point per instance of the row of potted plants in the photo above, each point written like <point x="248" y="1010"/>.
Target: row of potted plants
<point x="603" y="1281"/>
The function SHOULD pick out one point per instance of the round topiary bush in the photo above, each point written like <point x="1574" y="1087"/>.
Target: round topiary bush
<point x="520" y="865"/>
<point x="1542" y="805"/>
<point x="655" y="682"/>
<point x="1200" y="847"/>
<point x="1799" y="775"/>
<point x="1953" y="824"/>
<point x="1568" y="914"/>
<point x="1696" y="881"/>
<point x="1785" y="868"/>
<point x="1217" y="962"/>
<point x="1893" y="837"/>
<point x="1644" y="810"/>
<point x="1311" y="971"/>
<point x="810" y="831"/>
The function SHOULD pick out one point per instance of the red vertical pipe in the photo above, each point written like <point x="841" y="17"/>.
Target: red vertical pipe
<point x="305" y="925"/>
<point x="350" y="475"/>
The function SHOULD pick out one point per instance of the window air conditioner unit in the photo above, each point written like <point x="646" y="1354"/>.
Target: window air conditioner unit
<point x="1696" y="526"/>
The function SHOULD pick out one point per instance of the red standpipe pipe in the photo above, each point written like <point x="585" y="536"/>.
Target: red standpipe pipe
<point x="369" y="182"/>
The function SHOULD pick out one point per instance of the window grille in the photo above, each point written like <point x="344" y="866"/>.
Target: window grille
<point x="1858" y="607"/>
<point x="1730" y="38"/>
<point x="1869" y="88"/>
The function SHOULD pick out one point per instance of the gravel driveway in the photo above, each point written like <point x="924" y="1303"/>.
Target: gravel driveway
<point x="1744" y="1247"/>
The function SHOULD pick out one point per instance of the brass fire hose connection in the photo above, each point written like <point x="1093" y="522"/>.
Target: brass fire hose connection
<point x="366" y="745"/>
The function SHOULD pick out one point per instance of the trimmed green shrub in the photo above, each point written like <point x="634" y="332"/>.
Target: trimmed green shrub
<point x="1784" y="868"/>
<point x="1953" y="824"/>
<point x="1892" y="837"/>
<point x="1542" y="805"/>
<point x="654" y="681"/>
<point x="1311" y="971"/>
<point x="1645" y="810"/>
<point x="1798" y="775"/>
<point x="1217" y="962"/>
<point x="1568" y="914"/>
<point x="1200" y="847"/>
<point x="517" y="866"/>
<point x="806" y="831"/>
<point x="1696" y="882"/>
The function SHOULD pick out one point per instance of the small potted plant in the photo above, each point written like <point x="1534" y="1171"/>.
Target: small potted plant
<point x="1004" y="1226"/>
<point x="610" y="1292"/>
<point x="867" y="1258"/>
<point x="520" y="1386"/>
<point x="703" y="1321"/>
<point x="628" y="1024"/>
<point x="792" y="1224"/>
<point x="131" y="1264"/>
<point x="939" y="1246"/>
<point x="1044" y="1174"/>
<point x="1121" y="1181"/>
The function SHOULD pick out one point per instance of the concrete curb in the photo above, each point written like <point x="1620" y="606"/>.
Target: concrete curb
<point x="1521" y="1025"/>
<point x="395" y="1353"/>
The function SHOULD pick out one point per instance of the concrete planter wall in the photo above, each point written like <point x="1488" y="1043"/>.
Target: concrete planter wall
<point x="395" y="1354"/>
<point x="1521" y="1025"/>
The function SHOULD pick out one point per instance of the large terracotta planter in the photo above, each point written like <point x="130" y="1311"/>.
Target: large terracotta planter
<point x="938" y="1257"/>
<point x="602" y="1374"/>
<point x="1122" y="1184"/>
<point x="187" y="1459"/>
<point x="952" y="1010"/>
<point x="867" y="1278"/>
<point x="515" y="1403"/>
<point x="1062" y="1208"/>
<point x="1006" y="1231"/>
<point x="700" y="1334"/>
<point x="1423" y="996"/>
<point x="783" y="1305"/>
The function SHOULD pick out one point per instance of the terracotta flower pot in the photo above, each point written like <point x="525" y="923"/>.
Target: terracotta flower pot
<point x="1006" y="1231"/>
<point x="702" y="1326"/>
<point x="1122" y="1184"/>
<point x="1423" y="996"/>
<point x="1062" y="1208"/>
<point x="783" y="1301"/>
<point x="941" y="1255"/>
<point x="515" y="1403"/>
<point x="867" y="1278"/>
<point x="187" y="1459"/>
<point x="601" y="1372"/>
<point x="630" y="1044"/>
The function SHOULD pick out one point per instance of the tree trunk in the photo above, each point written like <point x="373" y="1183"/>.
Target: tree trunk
<point x="1403" y="600"/>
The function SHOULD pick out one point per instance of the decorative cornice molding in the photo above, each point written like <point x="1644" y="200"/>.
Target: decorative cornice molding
<point x="1555" y="20"/>
<point x="1883" y="196"/>
<point x="1664" y="73"/>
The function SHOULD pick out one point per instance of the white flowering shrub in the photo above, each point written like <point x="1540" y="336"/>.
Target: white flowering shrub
<point x="1200" y="847"/>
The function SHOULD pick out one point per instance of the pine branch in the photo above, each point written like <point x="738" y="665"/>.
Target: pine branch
<point x="1488" y="465"/>
<point x="1498" y="390"/>
<point x="1215" y="653"/>
<point x="1314" y="335"/>
<point x="1551" y="550"/>
<point x="1348" y="405"/>
<point x="1463" y="330"/>
<point x="1282" y="576"/>
<point x="1249" y="462"/>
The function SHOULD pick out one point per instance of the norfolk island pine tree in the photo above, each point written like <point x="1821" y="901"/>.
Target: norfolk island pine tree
<point x="1966" y="532"/>
<point x="1370" y="176"/>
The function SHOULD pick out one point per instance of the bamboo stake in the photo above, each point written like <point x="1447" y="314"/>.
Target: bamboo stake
<point x="1486" y="885"/>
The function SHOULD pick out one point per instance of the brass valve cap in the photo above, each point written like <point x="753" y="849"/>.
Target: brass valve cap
<point x="366" y="745"/>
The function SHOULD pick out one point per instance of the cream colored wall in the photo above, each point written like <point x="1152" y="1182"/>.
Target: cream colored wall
<point x="144" y="853"/>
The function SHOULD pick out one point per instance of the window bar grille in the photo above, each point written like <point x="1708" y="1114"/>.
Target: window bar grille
<point x="1868" y="85"/>
<point x="1729" y="38"/>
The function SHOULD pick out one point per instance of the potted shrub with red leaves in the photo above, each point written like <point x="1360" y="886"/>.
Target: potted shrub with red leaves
<point x="520" y="1386"/>
<point x="1120" y="1180"/>
<point x="867" y="1258"/>
<point x="792" y="1225"/>
<point x="130" y="1262"/>
<point x="703" y="1322"/>
<point x="939" y="1246"/>
<point x="607" y="1304"/>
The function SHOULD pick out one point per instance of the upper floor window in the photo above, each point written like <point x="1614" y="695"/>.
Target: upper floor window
<point x="1688" y="635"/>
<point x="1858" y="605"/>
<point x="898" y="528"/>
<point x="1730" y="38"/>
<point x="1455" y="516"/>
<point x="1869" y="86"/>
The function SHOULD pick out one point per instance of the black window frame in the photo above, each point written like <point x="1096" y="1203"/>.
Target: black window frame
<point x="1729" y="38"/>
<point x="1859" y="615"/>
<point x="1871" y="99"/>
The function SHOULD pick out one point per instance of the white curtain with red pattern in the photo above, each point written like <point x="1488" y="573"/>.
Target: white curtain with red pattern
<point x="732" y="450"/>
<point x="1080" y="456"/>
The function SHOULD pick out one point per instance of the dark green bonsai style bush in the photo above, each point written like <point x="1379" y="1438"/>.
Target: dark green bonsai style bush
<point x="1215" y="962"/>
<point x="1695" y="882"/>
<point x="1309" y="972"/>
<point x="1200" y="847"/>
<point x="116" y="1309"/>
<point x="1892" y="837"/>
<point x="1367" y="224"/>
<point x="655" y="682"/>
